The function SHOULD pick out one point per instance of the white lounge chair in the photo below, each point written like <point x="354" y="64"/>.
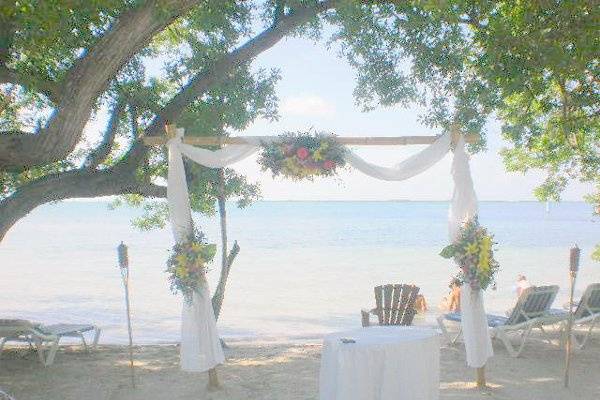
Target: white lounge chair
<point x="5" y="396"/>
<point x="45" y="338"/>
<point x="586" y="313"/>
<point x="531" y="311"/>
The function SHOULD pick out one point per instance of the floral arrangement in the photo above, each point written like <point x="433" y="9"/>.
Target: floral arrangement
<point x="474" y="254"/>
<point x="187" y="264"/>
<point x="303" y="155"/>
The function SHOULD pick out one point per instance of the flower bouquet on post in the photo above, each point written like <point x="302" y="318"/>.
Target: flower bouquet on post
<point x="473" y="252"/>
<point x="187" y="264"/>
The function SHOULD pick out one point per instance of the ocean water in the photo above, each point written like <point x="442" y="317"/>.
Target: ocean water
<point x="305" y="268"/>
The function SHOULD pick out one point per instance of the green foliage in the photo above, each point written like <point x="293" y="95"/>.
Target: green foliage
<point x="203" y="185"/>
<point x="542" y="58"/>
<point x="51" y="34"/>
<point x="414" y="53"/>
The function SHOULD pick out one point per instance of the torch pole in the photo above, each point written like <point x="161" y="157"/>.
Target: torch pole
<point x="124" y="266"/>
<point x="573" y="268"/>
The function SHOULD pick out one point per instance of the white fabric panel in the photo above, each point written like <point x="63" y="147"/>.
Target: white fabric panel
<point x="218" y="158"/>
<point x="385" y="363"/>
<point x="200" y="346"/>
<point x="464" y="199"/>
<point x="408" y="168"/>
<point x="177" y="195"/>
<point x="478" y="344"/>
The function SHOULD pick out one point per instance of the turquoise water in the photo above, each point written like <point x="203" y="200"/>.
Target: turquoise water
<point x="305" y="268"/>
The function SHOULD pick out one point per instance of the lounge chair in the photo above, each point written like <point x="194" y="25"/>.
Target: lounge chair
<point x="45" y="338"/>
<point x="394" y="305"/>
<point x="531" y="311"/>
<point x="587" y="312"/>
<point x="5" y="396"/>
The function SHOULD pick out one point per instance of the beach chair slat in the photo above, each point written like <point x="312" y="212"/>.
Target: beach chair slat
<point x="409" y="309"/>
<point x="402" y="304"/>
<point x="395" y="300"/>
<point x="379" y="303"/>
<point x="388" y="291"/>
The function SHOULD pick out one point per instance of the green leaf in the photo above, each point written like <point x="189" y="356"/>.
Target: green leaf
<point x="448" y="251"/>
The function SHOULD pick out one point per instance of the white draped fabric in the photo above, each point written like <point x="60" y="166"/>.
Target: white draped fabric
<point x="200" y="346"/>
<point x="408" y="168"/>
<point x="478" y="343"/>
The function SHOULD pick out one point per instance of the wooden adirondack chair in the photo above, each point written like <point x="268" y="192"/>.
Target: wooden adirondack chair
<point x="394" y="305"/>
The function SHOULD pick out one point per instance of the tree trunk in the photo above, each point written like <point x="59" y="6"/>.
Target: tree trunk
<point x="87" y="80"/>
<point x="226" y="258"/>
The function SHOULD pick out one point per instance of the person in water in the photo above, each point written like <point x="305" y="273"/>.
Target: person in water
<point x="522" y="284"/>
<point x="421" y="304"/>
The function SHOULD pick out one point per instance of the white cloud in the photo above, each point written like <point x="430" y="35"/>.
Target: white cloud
<point x="307" y="106"/>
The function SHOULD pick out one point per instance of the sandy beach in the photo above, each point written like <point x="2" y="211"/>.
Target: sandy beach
<point x="282" y="371"/>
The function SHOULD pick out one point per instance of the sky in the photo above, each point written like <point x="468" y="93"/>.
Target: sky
<point x="316" y="91"/>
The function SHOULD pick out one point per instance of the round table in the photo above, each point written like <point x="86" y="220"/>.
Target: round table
<point x="384" y="362"/>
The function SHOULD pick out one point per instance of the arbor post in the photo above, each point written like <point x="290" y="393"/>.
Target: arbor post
<point x="481" y="383"/>
<point x="213" y="380"/>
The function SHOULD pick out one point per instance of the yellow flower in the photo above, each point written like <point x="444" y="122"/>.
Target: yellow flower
<point x="181" y="260"/>
<point x="197" y="247"/>
<point x="486" y="244"/>
<point x="484" y="263"/>
<point x="181" y="272"/>
<point x="471" y="248"/>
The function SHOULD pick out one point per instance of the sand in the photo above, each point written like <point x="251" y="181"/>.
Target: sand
<point x="282" y="371"/>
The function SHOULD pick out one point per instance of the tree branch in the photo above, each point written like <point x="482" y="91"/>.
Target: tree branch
<point x="222" y="67"/>
<point x="6" y="36"/>
<point x="48" y="88"/>
<point x="99" y="154"/>
<point x="86" y="80"/>
<point x="80" y="183"/>
<point x="219" y="295"/>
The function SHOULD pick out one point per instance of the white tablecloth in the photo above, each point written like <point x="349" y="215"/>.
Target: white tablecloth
<point x="387" y="362"/>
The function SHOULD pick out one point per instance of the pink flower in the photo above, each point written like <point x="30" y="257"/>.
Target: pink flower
<point x="302" y="153"/>
<point x="328" y="164"/>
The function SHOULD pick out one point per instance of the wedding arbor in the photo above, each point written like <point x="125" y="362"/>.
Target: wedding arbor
<point x="200" y="346"/>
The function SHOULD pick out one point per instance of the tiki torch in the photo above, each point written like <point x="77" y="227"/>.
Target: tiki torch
<point x="124" y="267"/>
<point x="573" y="269"/>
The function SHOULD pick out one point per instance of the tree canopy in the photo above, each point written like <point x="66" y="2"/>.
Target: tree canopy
<point x="532" y="64"/>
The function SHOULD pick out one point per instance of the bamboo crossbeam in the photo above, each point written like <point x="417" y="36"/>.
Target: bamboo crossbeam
<point x="345" y="140"/>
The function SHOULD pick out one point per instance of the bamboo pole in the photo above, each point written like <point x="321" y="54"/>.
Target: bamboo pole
<point x="568" y="345"/>
<point x="345" y="140"/>
<point x="124" y="267"/>
<point x="573" y="269"/>
<point x="481" y="383"/>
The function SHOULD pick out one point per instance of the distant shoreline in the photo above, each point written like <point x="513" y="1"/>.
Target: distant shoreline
<point x="107" y="200"/>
